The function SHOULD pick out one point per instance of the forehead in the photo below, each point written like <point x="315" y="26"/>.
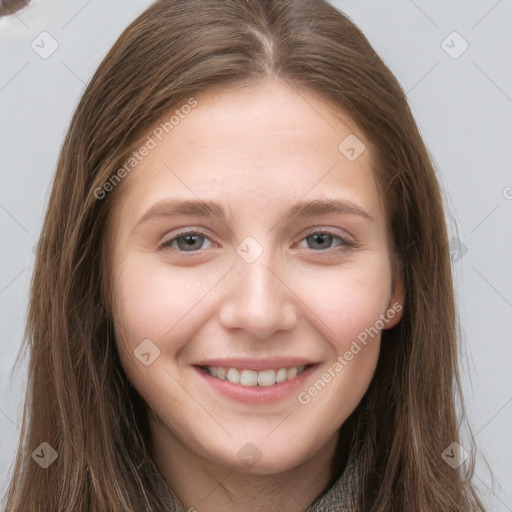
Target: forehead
<point x="237" y="145"/>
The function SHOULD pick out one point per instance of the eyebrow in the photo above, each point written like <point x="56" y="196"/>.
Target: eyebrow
<point x="205" y="208"/>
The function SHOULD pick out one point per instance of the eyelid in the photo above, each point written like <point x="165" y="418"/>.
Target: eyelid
<point x="327" y="231"/>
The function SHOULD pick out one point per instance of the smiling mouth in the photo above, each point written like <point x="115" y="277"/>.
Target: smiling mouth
<point x="252" y="378"/>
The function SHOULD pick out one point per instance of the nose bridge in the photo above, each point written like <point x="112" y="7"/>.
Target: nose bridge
<point x="256" y="299"/>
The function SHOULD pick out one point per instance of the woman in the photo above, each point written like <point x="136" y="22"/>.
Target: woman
<point x="242" y="298"/>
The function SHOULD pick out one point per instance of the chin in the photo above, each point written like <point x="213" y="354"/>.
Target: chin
<point x="260" y="455"/>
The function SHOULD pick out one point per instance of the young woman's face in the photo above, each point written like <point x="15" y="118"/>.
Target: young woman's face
<point x="249" y="245"/>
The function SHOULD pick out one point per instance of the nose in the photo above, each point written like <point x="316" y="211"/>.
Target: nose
<point x="257" y="299"/>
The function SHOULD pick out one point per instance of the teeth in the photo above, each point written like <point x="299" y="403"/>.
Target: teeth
<point x="291" y="373"/>
<point x="266" y="378"/>
<point x="233" y="374"/>
<point x="281" y="375"/>
<point x="251" y="378"/>
<point x="248" y="378"/>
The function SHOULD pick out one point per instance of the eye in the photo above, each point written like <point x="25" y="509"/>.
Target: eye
<point x="190" y="241"/>
<point x="193" y="241"/>
<point x="322" y="240"/>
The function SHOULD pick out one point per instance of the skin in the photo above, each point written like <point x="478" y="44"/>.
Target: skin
<point x="257" y="151"/>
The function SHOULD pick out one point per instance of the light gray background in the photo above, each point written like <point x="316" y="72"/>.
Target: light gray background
<point x="463" y="107"/>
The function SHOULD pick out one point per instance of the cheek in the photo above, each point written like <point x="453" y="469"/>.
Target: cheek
<point x="348" y="301"/>
<point x="156" y="302"/>
<point x="349" y="307"/>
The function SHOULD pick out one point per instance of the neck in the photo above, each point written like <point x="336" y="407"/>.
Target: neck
<point x="202" y="485"/>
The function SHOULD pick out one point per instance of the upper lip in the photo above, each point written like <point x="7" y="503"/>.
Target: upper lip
<point x="257" y="364"/>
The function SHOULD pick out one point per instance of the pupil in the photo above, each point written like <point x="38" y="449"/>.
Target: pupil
<point x="322" y="238"/>
<point x="189" y="241"/>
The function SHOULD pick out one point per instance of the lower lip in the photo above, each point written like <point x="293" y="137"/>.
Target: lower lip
<point x="257" y="394"/>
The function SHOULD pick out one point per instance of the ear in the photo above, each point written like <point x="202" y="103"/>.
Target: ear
<point x="396" y="302"/>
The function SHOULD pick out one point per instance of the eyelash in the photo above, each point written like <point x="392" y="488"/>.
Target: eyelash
<point x="345" y="243"/>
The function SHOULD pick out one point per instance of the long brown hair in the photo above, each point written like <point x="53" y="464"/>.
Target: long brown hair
<point x="79" y="400"/>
